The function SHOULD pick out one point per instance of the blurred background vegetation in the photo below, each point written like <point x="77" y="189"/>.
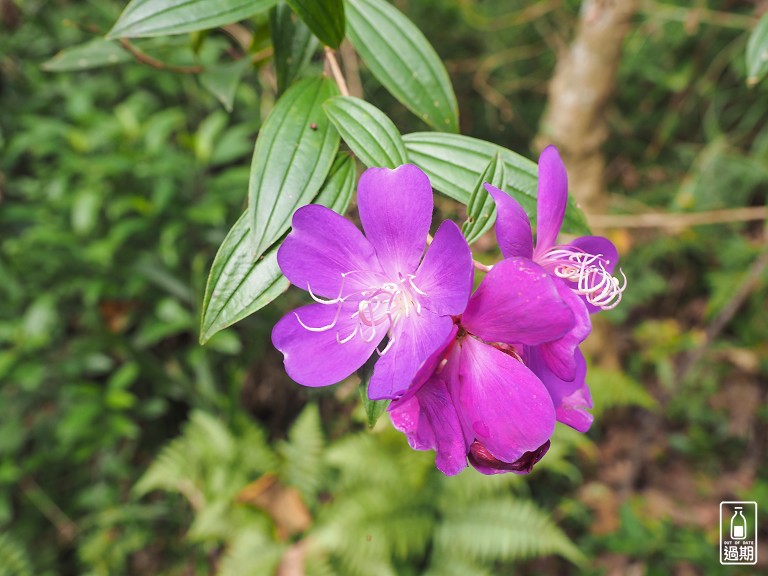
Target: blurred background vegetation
<point x="127" y="448"/>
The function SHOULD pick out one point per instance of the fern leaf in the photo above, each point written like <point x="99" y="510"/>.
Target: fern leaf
<point x="251" y="553"/>
<point x="303" y="454"/>
<point x="612" y="388"/>
<point x="14" y="558"/>
<point x="502" y="529"/>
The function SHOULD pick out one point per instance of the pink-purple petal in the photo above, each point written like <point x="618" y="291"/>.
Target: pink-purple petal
<point x="513" y="228"/>
<point x="430" y="421"/>
<point x="431" y="364"/>
<point x="559" y="354"/>
<point x="416" y="338"/>
<point x="572" y="399"/>
<point x="317" y="358"/>
<point x="598" y="246"/>
<point x="518" y="302"/>
<point x="396" y="211"/>
<point x="503" y="403"/>
<point x="446" y="273"/>
<point x="321" y="247"/>
<point x="552" y="199"/>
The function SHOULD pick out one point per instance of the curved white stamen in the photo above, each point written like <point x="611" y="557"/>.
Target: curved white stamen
<point x="347" y="338"/>
<point x="322" y="300"/>
<point x="588" y="271"/>
<point x="387" y="347"/>
<point x="414" y="287"/>
<point x="321" y="328"/>
<point x="377" y="308"/>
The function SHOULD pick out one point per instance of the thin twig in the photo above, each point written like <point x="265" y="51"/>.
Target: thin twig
<point x="351" y="69"/>
<point x="678" y="220"/>
<point x="697" y="14"/>
<point x="145" y="58"/>
<point x="751" y="281"/>
<point x="66" y="528"/>
<point x="330" y="57"/>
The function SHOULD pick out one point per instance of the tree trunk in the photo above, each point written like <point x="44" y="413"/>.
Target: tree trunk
<point x="579" y="93"/>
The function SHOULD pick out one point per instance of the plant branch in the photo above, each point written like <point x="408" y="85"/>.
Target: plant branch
<point x="750" y="283"/>
<point x="338" y="76"/>
<point x="680" y="220"/>
<point x="66" y="528"/>
<point x="145" y="58"/>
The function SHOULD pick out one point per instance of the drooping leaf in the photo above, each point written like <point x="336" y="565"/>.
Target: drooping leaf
<point x="92" y="54"/>
<point x="223" y="79"/>
<point x="239" y="285"/>
<point x="481" y="210"/>
<point x="294" y="152"/>
<point x="368" y="132"/>
<point x="293" y="44"/>
<point x="454" y="164"/>
<point x="324" y="17"/>
<point x="159" y="17"/>
<point x="757" y="52"/>
<point x="373" y="408"/>
<point x="402" y="59"/>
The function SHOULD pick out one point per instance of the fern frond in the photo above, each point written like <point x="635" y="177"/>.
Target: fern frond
<point x="452" y="566"/>
<point x="612" y="388"/>
<point x="471" y="486"/>
<point x="504" y="529"/>
<point x="181" y="465"/>
<point x="14" y="558"/>
<point x="565" y="442"/>
<point x="302" y="455"/>
<point x="251" y="553"/>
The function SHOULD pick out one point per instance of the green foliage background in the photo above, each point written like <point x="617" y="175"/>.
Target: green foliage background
<point x="125" y="445"/>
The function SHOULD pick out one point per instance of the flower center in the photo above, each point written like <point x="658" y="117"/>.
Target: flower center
<point x="376" y="305"/>
<point x="589" y="273"/>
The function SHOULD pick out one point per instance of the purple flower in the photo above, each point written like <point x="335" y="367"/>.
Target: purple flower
<point x="474" y="398"/>
<point x="583" y="274"/>
<point x="586" y="264"/>
<point x="372" y="286"/>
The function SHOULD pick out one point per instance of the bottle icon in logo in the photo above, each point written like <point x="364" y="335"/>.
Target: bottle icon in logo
<point x="738" y="525"/>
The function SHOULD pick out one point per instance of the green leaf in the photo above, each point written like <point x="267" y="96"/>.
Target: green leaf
<point x="239" y="284"/>
<point x="481" y="210"/>
<point x="160" y="17"/>
<point x="223" y="79"/>
<point x="294" y="152"/>
<point x="757" y="52"/>
<point x="368" y="132"/>
<point x="454" y="163"/>
<point x="373" y="408"/>
<point x="402" y="59"/>
<point x="340" y="184"/>
<point x="324" y="17"/>
<point x="293" y="45"/>
<point x="92" y="54"/>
